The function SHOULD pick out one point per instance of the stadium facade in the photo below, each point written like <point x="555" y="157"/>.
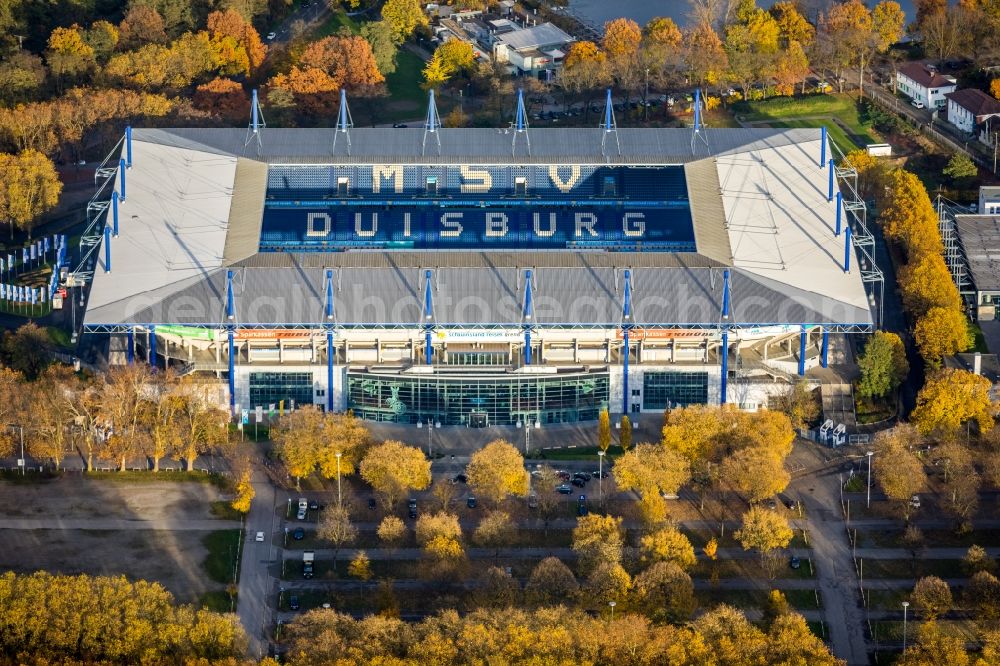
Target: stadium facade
<point x="480" y="276"/>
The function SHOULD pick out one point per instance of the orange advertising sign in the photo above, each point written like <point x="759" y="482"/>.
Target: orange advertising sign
<point x="659" y="333"/>
<point x="272" y="333"/>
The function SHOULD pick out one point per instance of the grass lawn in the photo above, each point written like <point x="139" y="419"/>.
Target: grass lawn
<point x="986" y="537"/>
<point x="890" y="630"/>
<point x="216" y="600"/>
<point x="744" y="599"/>
<point x="223" y="549"/>
<point x="404" y="83"/>
<point x="334" y="23"/>
<point x="811" y="111"/>
<point x="224" y="510"/>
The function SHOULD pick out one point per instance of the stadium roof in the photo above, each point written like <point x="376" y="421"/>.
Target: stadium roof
<point x="980" y="239"/>
<point x="196" y="196"/>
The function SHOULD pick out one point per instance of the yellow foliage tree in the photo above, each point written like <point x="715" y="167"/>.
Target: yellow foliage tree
<point x="926" y="283"/>
<point x="29" y="187"/>
<point x="942" y="332"/>
<point x="244" y="491"/>
<point x="497" y="470"/>
<point x="392" y="468"/>
<point x="668" y="544"/>
<point x="950" y="398"/>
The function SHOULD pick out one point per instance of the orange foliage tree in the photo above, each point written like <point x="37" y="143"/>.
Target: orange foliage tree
<point x="222" y="97"/>
<point x="237" y="45"/>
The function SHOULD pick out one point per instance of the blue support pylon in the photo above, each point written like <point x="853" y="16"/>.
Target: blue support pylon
<point x="803" y="334"/>
<point x="520" y="123"/>
<point x="724" y="354"/>
<point x="527" y="314"/>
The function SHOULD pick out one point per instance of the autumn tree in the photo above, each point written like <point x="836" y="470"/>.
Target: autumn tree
<point x="497" y="589"/>
<point x="360" y="568"/>
<point x="336" y="527"/>
<point x="393" y="469"/>
<point x="440" y="536"/>
<point x="897" y="469"/>
<point x="668" y="544"/>
<point x="926" y="283"/>
<point x="883" y="365"/>
<point x="765" y="531"/>
<point x="799" y="403"/>
<point x="497" y="471"/>
<point x="585" y="70"/>
<point x="792" y="25"/>
<point x="932" y="597"/>
<point x="951" y="398"/>
<point x="21" y="78"/>
<point x="223" y="98"/>
<point x="622" y="38"/>
<point x="861" y="33"/>
<point x="608" y="581"/>
<point x="652" y="470"/>
<point x="551" y="582"/>
<point x="625" y="435"/>
<point x="545" y="483"/>
<point x="403" y="17"/>
<point x="245" y="491"/>
<point x="976" y="559"/>
<point x="604" y="430"/>
<point x="142" y="25"/>
<point x="49" y="422"/>
<point x="68" y="54"/>
<point x="26" y="351"/>
<point x="29" y="187"/>
<point x="391" y="532"/>
<point x="204" y="427"/>
<point x="122" y="389"/>
<point x="237" y="45"/>
<point x="751" y="46"/>
<point x="598" y="539"/>
<point x="704" y="55"/>
<point x="982" y="595"/>
<point x="665" y="592"/>
<point x="348" y="61"/>
<point x="693" y="431"/>
<point x="942" y="332"/>
<point x="495" y="531"/>
<point x="757" y="472"/>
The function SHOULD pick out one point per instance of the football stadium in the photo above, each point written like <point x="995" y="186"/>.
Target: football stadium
<point x="481" y="277"/>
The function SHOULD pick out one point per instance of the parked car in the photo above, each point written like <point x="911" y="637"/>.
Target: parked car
<point x="532" y="501"/>
<point x="600" y="474"/>
<point x="460" y="478"/>
<point x="400" y="125"/>
<point x="563" y="474"/>
<point x="578" y="482"/>
<point x="915" y="501"/>
<point x="301" y="515"/>
<point x="293" y="603"/>
<point x="411" y="506"/>
<point x="582" y="475"/>
<point x="271" y="36"/>
<point x="470" y="502"/>
<point x="314" y="505"/>
<point x="299" y="534"/>
<point x="794" y="562"/>
<point x="564" y="489"/>
<point x="917" y="104"/>
<point x="259" y="537"/>
<point x="371" y="504"/>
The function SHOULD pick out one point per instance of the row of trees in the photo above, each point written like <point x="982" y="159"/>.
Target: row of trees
<point x="745" y="46"/>
<point x="118" y="416"/>
<point x="63" y="619"/>
<point x="910" y="222"/>
<point x="553" y="636"/>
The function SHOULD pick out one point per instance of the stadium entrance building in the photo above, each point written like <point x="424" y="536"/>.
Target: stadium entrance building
<point x="479" y="277"/>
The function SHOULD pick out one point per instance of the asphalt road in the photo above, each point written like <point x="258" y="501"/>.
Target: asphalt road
<point x="256" y="582"/>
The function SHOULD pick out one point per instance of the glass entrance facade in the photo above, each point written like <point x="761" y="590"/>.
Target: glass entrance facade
<point x="663" y="389"/>
<point x="477" y="399"/>
<point x="272" y="387"/>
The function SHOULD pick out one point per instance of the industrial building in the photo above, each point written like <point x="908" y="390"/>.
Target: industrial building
<point x="480" y="276"/>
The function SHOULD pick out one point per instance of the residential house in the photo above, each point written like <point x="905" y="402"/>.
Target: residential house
<point x="923" y="83"/>
<point x="975" y="113"/>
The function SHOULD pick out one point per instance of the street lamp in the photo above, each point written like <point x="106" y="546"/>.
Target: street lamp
<point x="430" y="424"/>
<point x="870" y="454"/>
<point x="340" y="499"/>
<point x="600" y="476"/>
<point x="906" y="604"/>
<point x="612" y="604"/>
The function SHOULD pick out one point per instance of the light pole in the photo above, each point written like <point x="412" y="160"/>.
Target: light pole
<point x="340" y="502"/>
<point x="869" y="454"/>
<point x="22" y="461"/>
<point x="645" y="98"/>
<point x="906" y="604"/>
<point x="600" y="476"/>
<point x="612" y="604"/>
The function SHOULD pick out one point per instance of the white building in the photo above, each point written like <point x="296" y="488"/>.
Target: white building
<point x="923" y="83"/>
<point x="974" y="112"/>
<point x="537" y="51"/>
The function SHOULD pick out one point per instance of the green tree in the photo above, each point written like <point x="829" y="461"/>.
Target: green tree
<point x="959" y="168"/>
<point x="883" y="365"/>
<point x="380" y="37"/>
